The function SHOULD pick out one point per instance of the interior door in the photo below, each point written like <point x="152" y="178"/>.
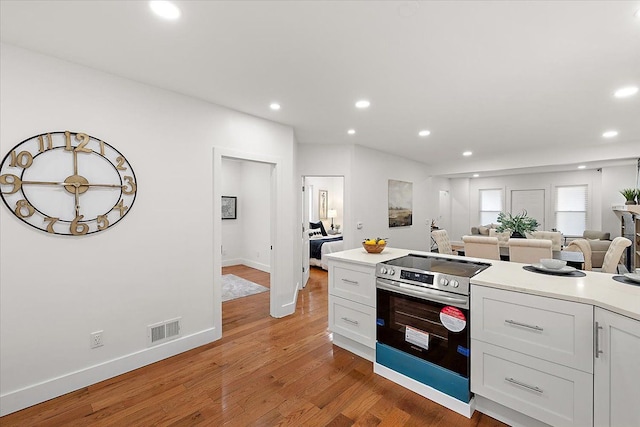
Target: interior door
<point x="305" y="236"/>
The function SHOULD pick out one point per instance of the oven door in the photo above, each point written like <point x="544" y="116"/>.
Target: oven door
<point x="434" y="328"/>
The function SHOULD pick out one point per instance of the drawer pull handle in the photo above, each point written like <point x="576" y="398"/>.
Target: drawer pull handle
<point x="521" y="384"/>
<point x="346" y="319"/>
<point x="353" y="282"/>
<point x="524" y="325"/>
<point x="597" y="328"/>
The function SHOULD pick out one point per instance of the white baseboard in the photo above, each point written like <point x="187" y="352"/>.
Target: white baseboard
<point x="231" y="262"/>
<point x="19" y="399"/>
<point x="465" y="409"/>
<point x="504" y="414"/>
<point x="258" y="266"/>
<point x="249" y="263"/>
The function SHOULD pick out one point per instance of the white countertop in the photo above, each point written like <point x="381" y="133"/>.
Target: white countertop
<point x="598" y="289"/>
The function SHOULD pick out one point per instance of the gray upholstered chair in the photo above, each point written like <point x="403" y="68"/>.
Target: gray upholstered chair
<point x="581" y="245"/>
<point x="554" y="236"/>
<point x="529" y="251"/>
<point x="442" y="240"/>
<point x="599" y="242"/>
<point x="614" y="254"/>
<point x="481" y="247"/>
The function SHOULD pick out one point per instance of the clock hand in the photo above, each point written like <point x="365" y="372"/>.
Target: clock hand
<point x="75" y="162"/>
<point x="77" y="200"/>
<point x="44" y="183"/>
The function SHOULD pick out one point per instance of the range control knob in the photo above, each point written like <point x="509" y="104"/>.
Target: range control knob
<point x="383" y="270"/>
<point x="454" y="283"/>
<point x="444" y="281"/>
<point x="392" y="271"/>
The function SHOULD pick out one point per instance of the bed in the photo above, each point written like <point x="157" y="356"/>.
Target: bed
<point x="321" y="244"/>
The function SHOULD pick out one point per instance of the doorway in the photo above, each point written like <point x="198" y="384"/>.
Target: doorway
<point x="322" y="203"/>
<point x="269" y="227"/>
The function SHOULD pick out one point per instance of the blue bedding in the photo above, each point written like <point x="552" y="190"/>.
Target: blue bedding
<point x="315" y="246"/>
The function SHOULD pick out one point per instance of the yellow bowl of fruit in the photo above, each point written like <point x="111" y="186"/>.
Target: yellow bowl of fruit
<point x="374" y="246"/>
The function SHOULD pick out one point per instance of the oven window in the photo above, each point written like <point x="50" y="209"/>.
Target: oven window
<point x="414" y="326"/>
<point x="420" y="316"/>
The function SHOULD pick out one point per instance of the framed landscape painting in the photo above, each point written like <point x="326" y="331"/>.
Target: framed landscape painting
<point x="400" y="203"/>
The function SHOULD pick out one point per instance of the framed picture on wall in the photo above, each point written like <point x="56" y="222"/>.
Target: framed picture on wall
<point x="323" y="203"/>
<point x="229" y="207"/>
<point x="400" y="203"/>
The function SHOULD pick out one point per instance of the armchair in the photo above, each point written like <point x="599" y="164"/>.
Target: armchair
<point x="599" y="242"/>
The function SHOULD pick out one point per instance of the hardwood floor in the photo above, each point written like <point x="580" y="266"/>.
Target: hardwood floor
<point x="263" y="372"/>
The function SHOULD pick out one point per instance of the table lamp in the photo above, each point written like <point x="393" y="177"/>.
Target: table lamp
<point x="332" y="213"/>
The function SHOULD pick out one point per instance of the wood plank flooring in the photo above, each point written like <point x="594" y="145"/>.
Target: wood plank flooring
<point x="263" y="372"/>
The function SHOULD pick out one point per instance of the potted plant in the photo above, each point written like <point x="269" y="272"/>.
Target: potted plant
<point x="630" y="195"/>
<point x="518" y="224"/>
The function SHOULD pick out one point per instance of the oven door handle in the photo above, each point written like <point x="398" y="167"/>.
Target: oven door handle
<point x="426" y="294"/>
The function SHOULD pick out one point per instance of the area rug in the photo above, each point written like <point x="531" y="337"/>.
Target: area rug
<point x="236" y="287"/>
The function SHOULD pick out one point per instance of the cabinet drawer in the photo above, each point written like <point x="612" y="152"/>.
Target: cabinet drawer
<point x="554" y="330"/>
<point x="353" y="320"/>
<point x="354" y="282"/>
<point x="546" y="391"/>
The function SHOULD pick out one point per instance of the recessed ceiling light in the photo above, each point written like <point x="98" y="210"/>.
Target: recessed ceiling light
<point x="363" y="103"/>
<point x="165" y="9"/>
<point x="610" y="133"/>
<point x="626" y="92"/>
<point x="424" y="133"/>
<point x="582" y="167"/>
<point x="475" y="175"/>
<point x="274" y="106"/>
<point x="351" y="131"/>
<point x="467" y="153"/>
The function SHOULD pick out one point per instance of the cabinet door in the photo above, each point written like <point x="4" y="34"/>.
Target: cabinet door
<point x="353" y="320"/>
<point x="616" y="370"/>
<point x="546" y="391"/>
<point x="354" y="282"/>
<point x="551" y="329"/>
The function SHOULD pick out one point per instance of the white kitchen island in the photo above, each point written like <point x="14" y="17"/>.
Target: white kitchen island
<point x="590" y="335"/>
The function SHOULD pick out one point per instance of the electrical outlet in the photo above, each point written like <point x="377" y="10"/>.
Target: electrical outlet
<point x="96" y="339"/>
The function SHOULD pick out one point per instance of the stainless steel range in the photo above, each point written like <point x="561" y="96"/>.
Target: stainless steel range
<point x="423" y="320"/>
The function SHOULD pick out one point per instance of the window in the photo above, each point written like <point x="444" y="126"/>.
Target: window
<point x="571" y="209"/>
<point x="490" y="205"/>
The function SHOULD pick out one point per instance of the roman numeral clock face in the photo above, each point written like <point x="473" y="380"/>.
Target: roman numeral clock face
<point x="67" y="183"/>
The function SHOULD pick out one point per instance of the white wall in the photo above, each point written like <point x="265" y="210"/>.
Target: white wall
<point x="615" y="179"/>
<point x="367" y="173"/>
<point x="232" y="230"/>
<point x="246" y="239"/>
<point x="255" y="211"/>
<point x="603" y="192"/>
<point x="156" y="264"/>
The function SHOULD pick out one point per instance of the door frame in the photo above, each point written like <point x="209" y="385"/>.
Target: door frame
<point x="275" y="284"/>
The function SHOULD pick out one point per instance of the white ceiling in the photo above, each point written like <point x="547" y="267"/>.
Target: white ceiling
<point x="522" y="84"/>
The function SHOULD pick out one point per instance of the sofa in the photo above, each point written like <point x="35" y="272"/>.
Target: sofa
<point x="599" y="242"/>
<point x="483" y="230"/>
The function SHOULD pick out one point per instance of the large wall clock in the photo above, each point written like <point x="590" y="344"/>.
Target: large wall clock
<point x="67" y="183"/>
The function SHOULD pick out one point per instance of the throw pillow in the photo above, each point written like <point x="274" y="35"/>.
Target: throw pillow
<point x="483" y="230"/>
<point x="315" y="233"/>
<point x="320" y="225"/>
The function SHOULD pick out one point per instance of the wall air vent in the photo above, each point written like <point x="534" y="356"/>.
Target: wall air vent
<point x="163" y="331"/>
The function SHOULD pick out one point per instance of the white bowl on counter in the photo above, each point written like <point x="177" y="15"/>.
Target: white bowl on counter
<point x="553" y="264"/>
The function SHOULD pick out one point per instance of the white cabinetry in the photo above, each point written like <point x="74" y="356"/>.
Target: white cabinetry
<point x="616" y="370"/>
<point x="352" y="307"/>
<point x="533" y="354"/>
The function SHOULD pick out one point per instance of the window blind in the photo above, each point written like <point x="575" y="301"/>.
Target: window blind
<point x="490" y="205"/>
<point x="571" y="209"/>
